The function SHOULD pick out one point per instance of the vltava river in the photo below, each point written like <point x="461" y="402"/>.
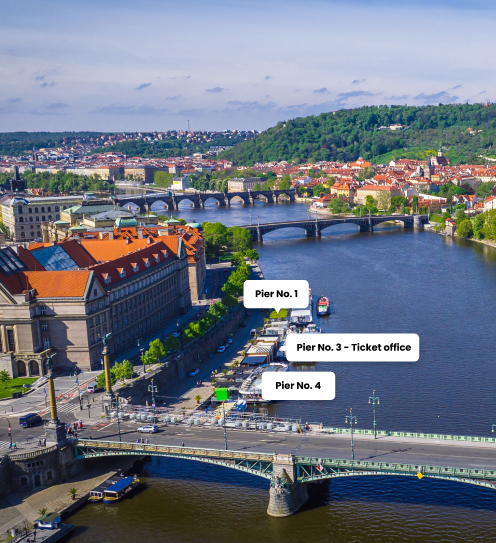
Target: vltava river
<point x="393" y="280"/>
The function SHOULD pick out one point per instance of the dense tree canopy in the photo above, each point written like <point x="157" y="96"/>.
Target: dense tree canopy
<point x="345" y="135"/>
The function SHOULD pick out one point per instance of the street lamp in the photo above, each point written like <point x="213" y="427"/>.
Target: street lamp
<point x="224" y="419"/>
<point x="373" y="400"/>
<point x="77" y="383"/>
<point x="10" y="432"/>
<point x="117" y="413"/>
<point x="153" y="389"/>
<point x="351" y="419"/>
<point x="142" y="351"/>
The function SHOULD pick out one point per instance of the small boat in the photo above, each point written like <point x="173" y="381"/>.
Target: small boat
<point x="251" y="388"/>
<point x="240" y="405"/>
<point x="323" y="306"/>
<point x="96" y="495"/>
<point x="120" y="490"/>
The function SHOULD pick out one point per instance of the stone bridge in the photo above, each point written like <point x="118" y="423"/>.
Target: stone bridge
<point x="289" y="474"/>
<point x="314" y="227"/>
<point x="171" y="200"/>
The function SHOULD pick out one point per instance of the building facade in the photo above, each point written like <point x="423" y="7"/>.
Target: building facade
<point x="242" y="184"/>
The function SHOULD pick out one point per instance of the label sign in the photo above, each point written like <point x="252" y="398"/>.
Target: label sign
<point x="288" y="294"/>
<point x="299" y="385"/>
<point x="352" y="347"/>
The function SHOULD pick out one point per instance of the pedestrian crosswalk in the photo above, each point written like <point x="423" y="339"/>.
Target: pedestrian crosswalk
<point x="67" y="407"/>
<point x="4" y="444"/>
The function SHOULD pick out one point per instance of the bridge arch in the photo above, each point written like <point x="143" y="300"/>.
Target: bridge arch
<point x="160" y="205"/>
<point x="234" y="199"/>
<point x="193" y="202"/>
<point x="132" y="206"/>
<point x="220" y="200"/>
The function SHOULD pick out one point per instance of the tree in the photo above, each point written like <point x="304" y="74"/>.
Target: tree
<point x="384" y="199"/>
<point x="239" y="239"/>
<point x="123" y="370"/>
<point x="370" y="202"/>
<point x="257" y="186"/>
<point x="229" y="300"/>
<point x="337" y="205"/>
<point x="73" y="493"/>
<point x="284" y="183"/>
<point x="198" y="399"/>
<point x="366" y="173"/>
<point x="4" y="376"/>
<point x="478" y="224"/>
<point x="43" y="511"/>
<point x="465" y="229"/>
<point x="460" y="216"/>
<point x="484" y="189"/>
<point x="155" y="352"/>
<point x="415" y="203"/>
<point x="252" y="254"/>
<point x="216" y="237"/>
<point x="162" y="179"/>
<point x="172" y="344"/>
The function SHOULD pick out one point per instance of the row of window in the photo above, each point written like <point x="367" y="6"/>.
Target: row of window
<point x="30" y="209"/>
<point x="138" y="285"/>
<point x="23" y="234"/>
<point x="37" y="218"/>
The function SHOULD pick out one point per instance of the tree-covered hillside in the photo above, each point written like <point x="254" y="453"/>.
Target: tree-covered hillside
<point x="346" y="134"/>
<point x="18" y="143"/>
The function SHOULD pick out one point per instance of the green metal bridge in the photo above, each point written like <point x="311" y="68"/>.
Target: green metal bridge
<point x="288" y="474"/>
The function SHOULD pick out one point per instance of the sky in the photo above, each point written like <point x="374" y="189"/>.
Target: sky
<point x="122" y="65"/>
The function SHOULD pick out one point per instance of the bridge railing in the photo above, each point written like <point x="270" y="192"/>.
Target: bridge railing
<point x="399" y="468"/>
<point x="418" y="435"/>
<point x="150" y="448"/>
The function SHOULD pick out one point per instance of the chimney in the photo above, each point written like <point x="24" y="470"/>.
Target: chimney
<point x="111" y="235"/>
<point x="150" y="241"/>
<point x="128" y="241"/>
<point x="140" y="233"/>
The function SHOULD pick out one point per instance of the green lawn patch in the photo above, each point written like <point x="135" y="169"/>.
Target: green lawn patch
<point x="283" y="313"/>
<point x="15" y="385"/>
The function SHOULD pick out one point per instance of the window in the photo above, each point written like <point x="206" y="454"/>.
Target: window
<point x="46" y="343"/>
<point x="11" y="340"/>
<point x="30" y="219"/>
<point x="36" y="210"/>
<point x="49" y="209"/>
<point x="91" y="339"/>
<point x="44" y="325"/>
<point x="43" y="310"/>
<point x="43" y="210"/>
<point x="37" y="218"/>
<point x="24" y="481"/>
<point x="43" y="217"/>
<point x="90" y="323"/>
<point x="56" y="208"/>
<point x="19" y="209"/>
<point x="97" y="320"/>
<point x="23" y="235"/>
<point x="103" y="317"/>
<point x="21" y="219"/>
<point x="49" y="475"/>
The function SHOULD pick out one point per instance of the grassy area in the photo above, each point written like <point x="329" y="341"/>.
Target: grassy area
<point x="283" y="313"/>
<point x="15" y="385"/>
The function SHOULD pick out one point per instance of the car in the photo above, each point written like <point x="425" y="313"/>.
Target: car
<point x="243" y="325"/>
<point x="93" y="388"/>
<point x="253" y="332"/>
<point x="148" y="429"/>
<point x="194" y="372"/>
<point x="229" y="341"/>
<point x="221" y="349"/>
<point x="176" y="334"/>
<point x="29" y="420"/>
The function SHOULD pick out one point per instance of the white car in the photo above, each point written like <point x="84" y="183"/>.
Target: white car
<point x="148" y="429"/>
<point x="221" y="349"/>
<point x="194" y="372"/>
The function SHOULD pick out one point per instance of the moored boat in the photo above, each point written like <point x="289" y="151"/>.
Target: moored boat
<point x="120" y="490"/>
<point x="323" y="306"/>
<point x="251" y="388"/>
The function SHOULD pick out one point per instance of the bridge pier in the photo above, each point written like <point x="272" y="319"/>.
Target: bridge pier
<point x="286" y="495"/>
<point x="417" y="222"/>
<point x="366" y="228"/>
<point x="310" y="233"/>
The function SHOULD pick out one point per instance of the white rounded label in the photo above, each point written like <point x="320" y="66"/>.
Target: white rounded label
<point x="287" y="294"/>
<point x="299" y="385"/>
<point x="352" y="347"/>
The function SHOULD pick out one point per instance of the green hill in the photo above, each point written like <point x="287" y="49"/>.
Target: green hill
<point x="346" y="134"/>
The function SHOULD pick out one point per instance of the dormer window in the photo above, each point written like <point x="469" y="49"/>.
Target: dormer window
<point x="106" y="278"/>
<point x="157" y="258"/>
<point x="164" y="252"/>
<point x="135" y="267"/>
<point x="147" y="262"/>
<point x="122" y="272"/>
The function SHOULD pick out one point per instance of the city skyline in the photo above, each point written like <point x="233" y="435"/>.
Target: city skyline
<point x="117" y="67"/>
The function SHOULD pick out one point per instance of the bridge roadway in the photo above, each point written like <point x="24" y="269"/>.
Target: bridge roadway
<point x="454" y="454"/>
<point x="314" y="227"/>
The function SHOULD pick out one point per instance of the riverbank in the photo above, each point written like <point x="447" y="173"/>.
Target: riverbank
<point x="20" y="508"/>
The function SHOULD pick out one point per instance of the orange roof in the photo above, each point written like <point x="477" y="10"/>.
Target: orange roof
<point x="103" y="250"/>
<point x="57" y="284"/>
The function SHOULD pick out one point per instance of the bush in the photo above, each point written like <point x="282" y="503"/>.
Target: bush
<point x="436" y="218"/>
<point x="465" y="229"/>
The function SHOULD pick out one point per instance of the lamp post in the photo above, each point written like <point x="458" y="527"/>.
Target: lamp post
<point x="153" y="389"/>
<point x="9" y="428"/>
<point x="76" y="373"/>
<point x="142" y="351"/>
<point x="117" y="413"/>
<point x="351" y="419"/>
<point x="373" y="400"/>
<point x="224" y="419"/>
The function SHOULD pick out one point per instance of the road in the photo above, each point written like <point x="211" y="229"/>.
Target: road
<point x="411" y="451"/>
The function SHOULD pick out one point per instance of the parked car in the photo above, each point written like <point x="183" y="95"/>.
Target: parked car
<point x="253" y="332"/>
<point x="221" y="349"/>
<point x="148" y="429"/>
<point x="229" y="341"/>
<point x="176" y="334"/>
<point x="243" y="325"/>
<point x="194" y="372"/>
<point x="29" y="420"/>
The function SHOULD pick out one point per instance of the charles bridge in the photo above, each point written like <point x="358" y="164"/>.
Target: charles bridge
<point x="171" y="200"/>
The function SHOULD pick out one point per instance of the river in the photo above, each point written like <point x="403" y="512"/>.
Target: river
<point x="392" y="280"/>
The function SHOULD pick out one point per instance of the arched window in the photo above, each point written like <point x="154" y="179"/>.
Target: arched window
<point x="37" y="218"/>
<point x="43" y="217"/>
<point x="49" y="209"/>
<point x="56" y="208"/>
<point x="19" y="209"/>
<point x="21" y="219"/>
<point x="23" y="235"/>
<point x="49" y="217"/>
<point x="30" y="210"/>
<point x="43" y="210"/>
<point x="36" y="210"/>
<point x="30" y="218"/>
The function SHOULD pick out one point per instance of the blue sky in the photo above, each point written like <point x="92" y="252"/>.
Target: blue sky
<point x="152" y="65"/>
